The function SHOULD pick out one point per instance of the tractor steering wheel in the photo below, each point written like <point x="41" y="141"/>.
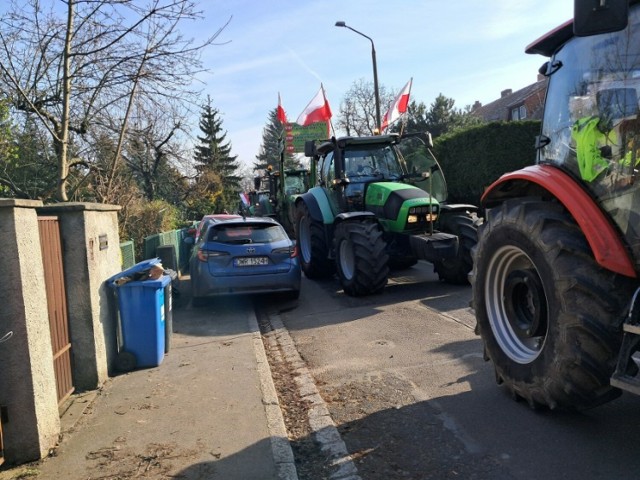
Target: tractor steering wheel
<point x="366" y="170"/>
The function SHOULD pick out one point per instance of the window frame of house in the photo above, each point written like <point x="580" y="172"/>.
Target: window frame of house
<point x="518" y="112"/>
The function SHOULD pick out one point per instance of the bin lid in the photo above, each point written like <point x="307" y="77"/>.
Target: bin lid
<point x="132" y="271"/>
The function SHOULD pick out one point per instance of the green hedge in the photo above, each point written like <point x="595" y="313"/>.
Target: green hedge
<point x="474" y="158"/>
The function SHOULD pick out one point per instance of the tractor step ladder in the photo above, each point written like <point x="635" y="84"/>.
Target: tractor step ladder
<point x="625" y="377"/>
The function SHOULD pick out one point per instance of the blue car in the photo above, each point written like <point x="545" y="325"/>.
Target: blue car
<point x="244" y="256"/>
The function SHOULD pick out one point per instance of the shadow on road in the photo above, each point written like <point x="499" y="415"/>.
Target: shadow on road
<point x="426" y="440"/>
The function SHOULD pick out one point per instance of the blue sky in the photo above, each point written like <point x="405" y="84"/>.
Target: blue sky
<point x="467" y="50"/>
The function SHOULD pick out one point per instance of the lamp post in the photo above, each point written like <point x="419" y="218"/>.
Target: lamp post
<point x="375" y="72"/>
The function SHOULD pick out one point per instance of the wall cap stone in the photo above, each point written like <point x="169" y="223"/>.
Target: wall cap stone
<point x="79" y="207"/>
<point x="19" y="203"/>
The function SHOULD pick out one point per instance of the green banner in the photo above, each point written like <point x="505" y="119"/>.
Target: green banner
<point x="296" y="135"/>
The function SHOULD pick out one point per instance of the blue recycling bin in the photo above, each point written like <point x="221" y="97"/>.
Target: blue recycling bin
<point x="142" y="317"/>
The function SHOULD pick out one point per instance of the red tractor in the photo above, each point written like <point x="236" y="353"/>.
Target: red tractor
<point x="557" y="263"/>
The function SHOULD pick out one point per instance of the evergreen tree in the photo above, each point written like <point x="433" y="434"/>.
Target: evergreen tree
<point x="443" y="117"/>
<point x="213" y="161"/>
<point x="440" y="118"/>
<point x="27" y="160"/>
<point x="273" y="136"/>
<point x="415" y="120"/>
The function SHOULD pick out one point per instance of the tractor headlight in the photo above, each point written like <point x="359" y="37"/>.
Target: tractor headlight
<point x="425" y="213"/>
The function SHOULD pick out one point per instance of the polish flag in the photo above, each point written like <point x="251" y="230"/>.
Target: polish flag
<point x="398" y="107"/>
<point x="280" y="114"/>
<point x="318" y="110"/>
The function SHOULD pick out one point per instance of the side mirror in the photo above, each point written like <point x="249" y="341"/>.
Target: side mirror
<point x="544" y="68"/>
<point x="189" y="240"/>
<point x="592" y="17"/>
<point x="309" y="148"/>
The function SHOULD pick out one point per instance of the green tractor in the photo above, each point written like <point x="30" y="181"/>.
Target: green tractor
<point x="275" y="194"/>
<point x="369" y="213"/>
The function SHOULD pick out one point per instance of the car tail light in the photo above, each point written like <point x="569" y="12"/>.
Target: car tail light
<point x="205" y="255"/>
<point x="292" y="250"/>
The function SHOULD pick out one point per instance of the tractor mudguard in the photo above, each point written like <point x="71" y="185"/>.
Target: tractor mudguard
<point x="458" y="207"/>
<point x="604" y="240"/>
<point x="356" y="216"/>
<point x="318" y="204"/>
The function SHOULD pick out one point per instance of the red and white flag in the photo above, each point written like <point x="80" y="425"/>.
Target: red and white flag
<point x="281" y="114"/>
<point x="398" y="107"/>
<point x="318" y="110"/>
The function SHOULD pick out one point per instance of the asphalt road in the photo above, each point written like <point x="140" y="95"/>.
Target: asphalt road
<point x="403" y="377"/>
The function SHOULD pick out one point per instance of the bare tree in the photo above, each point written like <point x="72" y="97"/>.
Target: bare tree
<point x="85" y="65"/>
<point x="152" y="147"/>
<point x="357" y="115"/>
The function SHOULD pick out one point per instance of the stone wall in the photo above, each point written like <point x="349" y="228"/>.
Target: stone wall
<point x="91" y="254"/>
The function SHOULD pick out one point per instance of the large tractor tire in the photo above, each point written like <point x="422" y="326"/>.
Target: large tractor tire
<point x="361" y="259"/>
<point x="549" y="315"/>
<point x="314" y="251"/>
<point x="456" y="270"/>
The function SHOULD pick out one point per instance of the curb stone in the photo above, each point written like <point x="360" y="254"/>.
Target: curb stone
<point x="282" y="452"/>
<point x="324" y="430"/>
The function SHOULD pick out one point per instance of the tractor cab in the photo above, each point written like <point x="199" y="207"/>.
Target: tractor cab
<point x="591" y="124"/>
<point x="349" y="166"/>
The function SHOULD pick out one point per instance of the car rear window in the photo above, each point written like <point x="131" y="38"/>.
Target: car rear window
<point x="246" y="233"/>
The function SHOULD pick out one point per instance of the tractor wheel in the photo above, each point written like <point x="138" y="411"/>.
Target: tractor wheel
<point x="549" y="315"/>
<point x="361" y="258"/>
<point x="465" y="226"/>
<point x="314" y="251"/>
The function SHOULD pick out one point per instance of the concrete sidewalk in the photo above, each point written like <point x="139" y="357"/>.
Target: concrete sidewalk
<point x="210" y="410"/>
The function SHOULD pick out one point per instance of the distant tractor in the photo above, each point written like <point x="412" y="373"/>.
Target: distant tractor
<point x="555" y="279"/>
<point x="366" y="215"/>
<point x="275" y="194"/>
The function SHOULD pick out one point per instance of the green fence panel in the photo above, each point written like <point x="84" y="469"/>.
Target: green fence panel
<point x="173" y="237"/>
<point x="150" y="244"/>
<point x="184" y="250"/>
<point x="127" y="255"/>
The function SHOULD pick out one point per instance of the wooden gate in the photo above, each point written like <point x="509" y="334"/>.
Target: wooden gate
<point x="57" y="305"/>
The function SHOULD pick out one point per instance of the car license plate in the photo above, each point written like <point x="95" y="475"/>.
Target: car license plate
<point x="251" y="261"/>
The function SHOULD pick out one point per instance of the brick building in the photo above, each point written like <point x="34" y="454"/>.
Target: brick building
<point x="524" y="104"/>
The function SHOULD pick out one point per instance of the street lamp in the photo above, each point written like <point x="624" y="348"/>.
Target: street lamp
<point x="375" y="71"/>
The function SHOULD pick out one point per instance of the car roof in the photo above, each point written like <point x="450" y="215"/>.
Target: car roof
<point x="238" y="220"/>
<point x="220" y="217"/>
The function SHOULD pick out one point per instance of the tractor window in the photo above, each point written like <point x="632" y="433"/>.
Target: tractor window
<point x="379" y="161"/>
<point x="592" y="119"/>
<point x="293" y="185"/>
<point x="592" y="102"/>
<point x="327" y="170"/>
<point x="419" y="159"/>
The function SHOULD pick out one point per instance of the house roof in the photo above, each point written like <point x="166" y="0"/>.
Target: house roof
<point x="500" y="109"/>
